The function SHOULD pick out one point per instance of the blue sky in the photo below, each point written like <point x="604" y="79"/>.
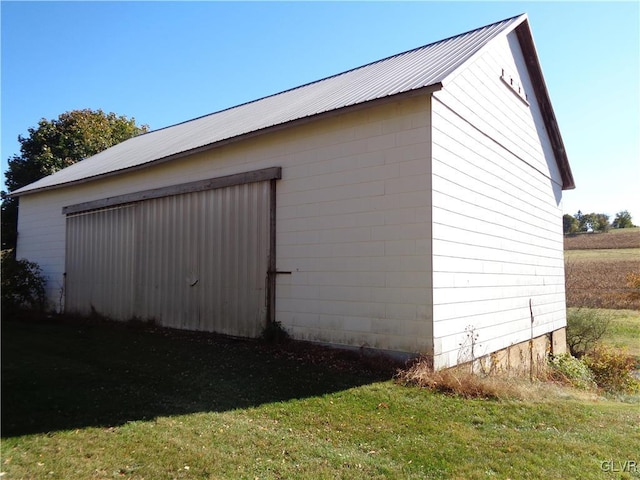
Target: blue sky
<point x="167" y="62"/>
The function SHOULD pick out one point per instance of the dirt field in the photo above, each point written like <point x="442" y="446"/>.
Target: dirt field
<point x="601" y="283"/>
<point x="622" y="238"/>
<point x="598" y="269"/>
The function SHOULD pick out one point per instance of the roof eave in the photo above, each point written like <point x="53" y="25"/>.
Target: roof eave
<point x="427" y="90"/>
<point x="527" y="45"/>
<point x="523" y="32"/>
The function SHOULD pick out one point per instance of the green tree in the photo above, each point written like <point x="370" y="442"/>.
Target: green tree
<point x="594" y="222"/>
<point x="601" y="222"/>
<point x="570" y="224"/>
<point x="622" y="220"/>
<point x="56" y="144"/>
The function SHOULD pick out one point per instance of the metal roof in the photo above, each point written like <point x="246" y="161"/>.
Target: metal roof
<point x="427" y="66"/>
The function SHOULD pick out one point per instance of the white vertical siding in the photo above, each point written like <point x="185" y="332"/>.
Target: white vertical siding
<point x="353" y="221"/>
<point x="102" y="243"/>
<point x="497" y="237"/>
<point x="195" y="261"/>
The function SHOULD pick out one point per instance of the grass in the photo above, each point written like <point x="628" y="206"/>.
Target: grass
<point x="624" y="330"/>
<point x="106" y="401"/>
<point x="63" y="375"/>
<point x="614" y="254"/>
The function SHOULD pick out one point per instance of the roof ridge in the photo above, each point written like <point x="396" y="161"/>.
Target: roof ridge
<point x="416" y="68"/>
<point x="335" y="75"/>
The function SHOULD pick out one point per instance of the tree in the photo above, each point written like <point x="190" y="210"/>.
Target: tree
<point x="600" y="222"/>
<point x="622" y="220"/>
<point x="570" y="224"/>
<point x="592" y="222"/>
<point x="56" y="144"/>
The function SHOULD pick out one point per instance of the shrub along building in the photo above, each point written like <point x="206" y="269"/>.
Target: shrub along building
<point x="409" y="205"/>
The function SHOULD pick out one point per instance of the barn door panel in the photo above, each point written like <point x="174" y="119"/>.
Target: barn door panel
<point x="194" y="261"/>
<point x="203" y="260"/>
<point x="99" y="259"/>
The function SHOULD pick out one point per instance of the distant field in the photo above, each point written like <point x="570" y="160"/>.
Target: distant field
<point x="598" y="266"/>
<point x="616" y="238"/>
<point x="614" y="254"/>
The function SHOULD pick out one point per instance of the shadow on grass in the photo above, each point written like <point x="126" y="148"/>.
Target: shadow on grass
<point x="61" y="374"/>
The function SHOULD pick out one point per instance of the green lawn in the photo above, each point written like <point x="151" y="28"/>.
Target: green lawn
<point x="624" y="330"/>
<point x="98" y="401"/>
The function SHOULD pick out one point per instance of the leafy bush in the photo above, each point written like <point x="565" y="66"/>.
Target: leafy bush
<point x="585" y="328"/>
<point x="274" y="332"/>
<point x="612" y="369"/>
<point x="568" y="369"/>
<point x="23" y="286"/>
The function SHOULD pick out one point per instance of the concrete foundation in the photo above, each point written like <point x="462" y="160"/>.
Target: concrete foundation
<point x="527" y="358"/>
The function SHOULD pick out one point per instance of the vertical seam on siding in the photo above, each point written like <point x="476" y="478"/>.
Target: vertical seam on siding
<point x="271" y="269"/>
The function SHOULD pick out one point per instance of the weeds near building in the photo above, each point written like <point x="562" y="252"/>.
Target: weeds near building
<point x="570" y="370"/>
<point x="23" y="285"/>
<point x="585" y="328"/>
<point x="612" y="369"/>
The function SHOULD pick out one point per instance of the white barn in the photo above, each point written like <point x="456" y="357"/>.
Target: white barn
<point x="408" y="205"/>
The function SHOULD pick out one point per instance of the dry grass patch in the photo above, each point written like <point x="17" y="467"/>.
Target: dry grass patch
<point x="459" y="381"/>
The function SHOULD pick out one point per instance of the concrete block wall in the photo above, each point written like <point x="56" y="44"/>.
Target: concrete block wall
<point x="353" y="221"/>
<point x="354" y="231"/>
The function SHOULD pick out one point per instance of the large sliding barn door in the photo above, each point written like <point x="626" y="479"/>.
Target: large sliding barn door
<point x="195" y="261"/>
<point x="100" y="253"/>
